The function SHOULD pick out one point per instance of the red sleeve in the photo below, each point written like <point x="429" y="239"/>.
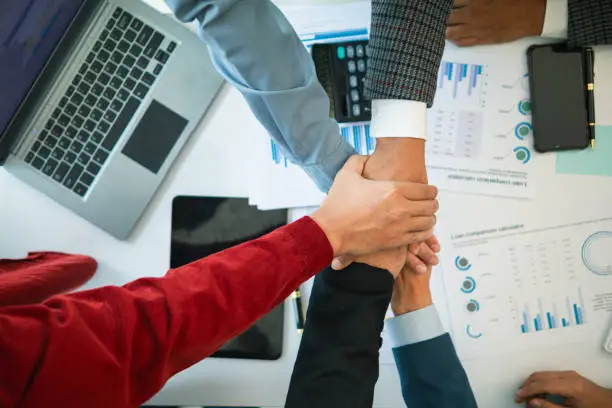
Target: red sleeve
<point x="117" y="346"/>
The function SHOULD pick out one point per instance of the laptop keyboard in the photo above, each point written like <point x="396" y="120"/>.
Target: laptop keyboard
<point x="90" y="118"/>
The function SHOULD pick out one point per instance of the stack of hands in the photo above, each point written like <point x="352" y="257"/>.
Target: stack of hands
<point x="386" y="223"/>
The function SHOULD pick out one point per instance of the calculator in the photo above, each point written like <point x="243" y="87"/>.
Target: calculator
<point x="341" y="69"/>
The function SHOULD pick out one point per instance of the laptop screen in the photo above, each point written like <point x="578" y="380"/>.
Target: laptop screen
<point x="29" y="32"/>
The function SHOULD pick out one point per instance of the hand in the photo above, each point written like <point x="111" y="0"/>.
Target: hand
<point x="577" y="391"/>
<point x="418" y="257"/>
<point x="392" y="260"/>
<point x="423" y="255"/>
<point x="361" y="217"/>
<point x="411" y="291"/>
<point x="474" y="22"/>
<point x="399" y="159"/>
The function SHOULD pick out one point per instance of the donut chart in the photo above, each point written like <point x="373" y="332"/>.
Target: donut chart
<point x="462" y="263"/>
<point x="596" y="253"/>
<point x="472" y="333"/>
<point x="524" y="107"/>
<point x="523" y="130"/>
<point x="522" y="154"/>
<point x="468" y="285"/>
<point x="473" y="306"/>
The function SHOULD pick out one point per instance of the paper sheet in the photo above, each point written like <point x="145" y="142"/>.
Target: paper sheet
<point x="595" y="162"/>
<point x="310" y="20"/>
<point x="512" y="288"/>
<point x="479" y="139"/>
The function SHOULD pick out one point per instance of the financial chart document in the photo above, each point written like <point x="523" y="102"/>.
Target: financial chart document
<point x="479" y="128"/>
<point x="511" y="288"/>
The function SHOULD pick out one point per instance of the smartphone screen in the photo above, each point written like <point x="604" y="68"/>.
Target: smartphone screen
<point x="557" y="81"/>
<point x="202" y="226"/>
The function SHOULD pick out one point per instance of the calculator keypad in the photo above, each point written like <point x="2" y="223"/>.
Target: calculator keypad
<point x="350" y="67"/>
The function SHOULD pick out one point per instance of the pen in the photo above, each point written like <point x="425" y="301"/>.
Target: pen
<point x="299" y="311"/>
<point x="590" y="72"/>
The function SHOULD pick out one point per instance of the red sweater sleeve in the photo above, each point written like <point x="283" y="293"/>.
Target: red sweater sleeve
<point x="117" y="346"/>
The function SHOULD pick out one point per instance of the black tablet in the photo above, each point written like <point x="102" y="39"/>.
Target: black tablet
<point x="202" y="226"/>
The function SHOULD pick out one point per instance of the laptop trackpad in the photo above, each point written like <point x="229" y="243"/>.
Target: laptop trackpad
<point x="154" y="137"/>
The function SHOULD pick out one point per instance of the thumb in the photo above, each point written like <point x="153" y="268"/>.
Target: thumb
<point x="355" y="164"/>
<point x="341" y="262"/>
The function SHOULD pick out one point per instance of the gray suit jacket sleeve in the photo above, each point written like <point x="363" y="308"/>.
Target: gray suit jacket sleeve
<point x="406" y="45"/>
<point x="590" y="22"/>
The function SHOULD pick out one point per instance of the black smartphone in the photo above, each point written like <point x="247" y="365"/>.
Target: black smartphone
<point x="557" y="80"/>
<point x="202" y="226"/>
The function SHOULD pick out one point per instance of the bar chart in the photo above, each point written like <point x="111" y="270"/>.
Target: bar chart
<point x="462" y="82"/>
<point x="553" y="315"/>
<point x="277" y="156"/>
<point x="357" y="135"/>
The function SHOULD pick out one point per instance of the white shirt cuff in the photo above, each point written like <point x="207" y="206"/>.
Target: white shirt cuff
<point x="399" y="118"/>
<point x="415" y="327"/>
<point x="556" y="19"/>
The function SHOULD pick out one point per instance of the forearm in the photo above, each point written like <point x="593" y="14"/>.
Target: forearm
<point x="131" y="339"/>
<point x="337" y="364"/>
<point x="255" y="48"/>
<point x="405" y="159"/>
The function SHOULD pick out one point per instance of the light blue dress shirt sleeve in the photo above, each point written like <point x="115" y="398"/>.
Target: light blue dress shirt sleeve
<point x="415" y="327"/>
<point x="256" y="49"/>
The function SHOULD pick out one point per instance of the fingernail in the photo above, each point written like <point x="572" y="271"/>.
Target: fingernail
<point x="421" y="270"/>
<point x="435" y="261"/>
<point x="535" y="404"/>
<point x="436" y="248"/>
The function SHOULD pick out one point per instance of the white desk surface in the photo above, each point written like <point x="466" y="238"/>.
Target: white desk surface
<point x="30" y="221"/>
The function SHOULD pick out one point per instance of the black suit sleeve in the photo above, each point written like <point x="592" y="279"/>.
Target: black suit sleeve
<point x="337" y="364"/>
<point x="406" y="45"/>
<point x="589" y="22"/>
<point x="432" y="375"/>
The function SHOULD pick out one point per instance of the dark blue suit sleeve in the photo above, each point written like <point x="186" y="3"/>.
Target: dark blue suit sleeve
<point x="432" y="375"/>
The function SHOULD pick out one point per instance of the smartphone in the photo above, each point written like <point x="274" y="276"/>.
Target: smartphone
<point x="202" y="226"/>
<point x="557" y="80"/>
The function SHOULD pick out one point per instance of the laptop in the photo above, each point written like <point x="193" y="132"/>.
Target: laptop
<point x="97" y="98"/>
